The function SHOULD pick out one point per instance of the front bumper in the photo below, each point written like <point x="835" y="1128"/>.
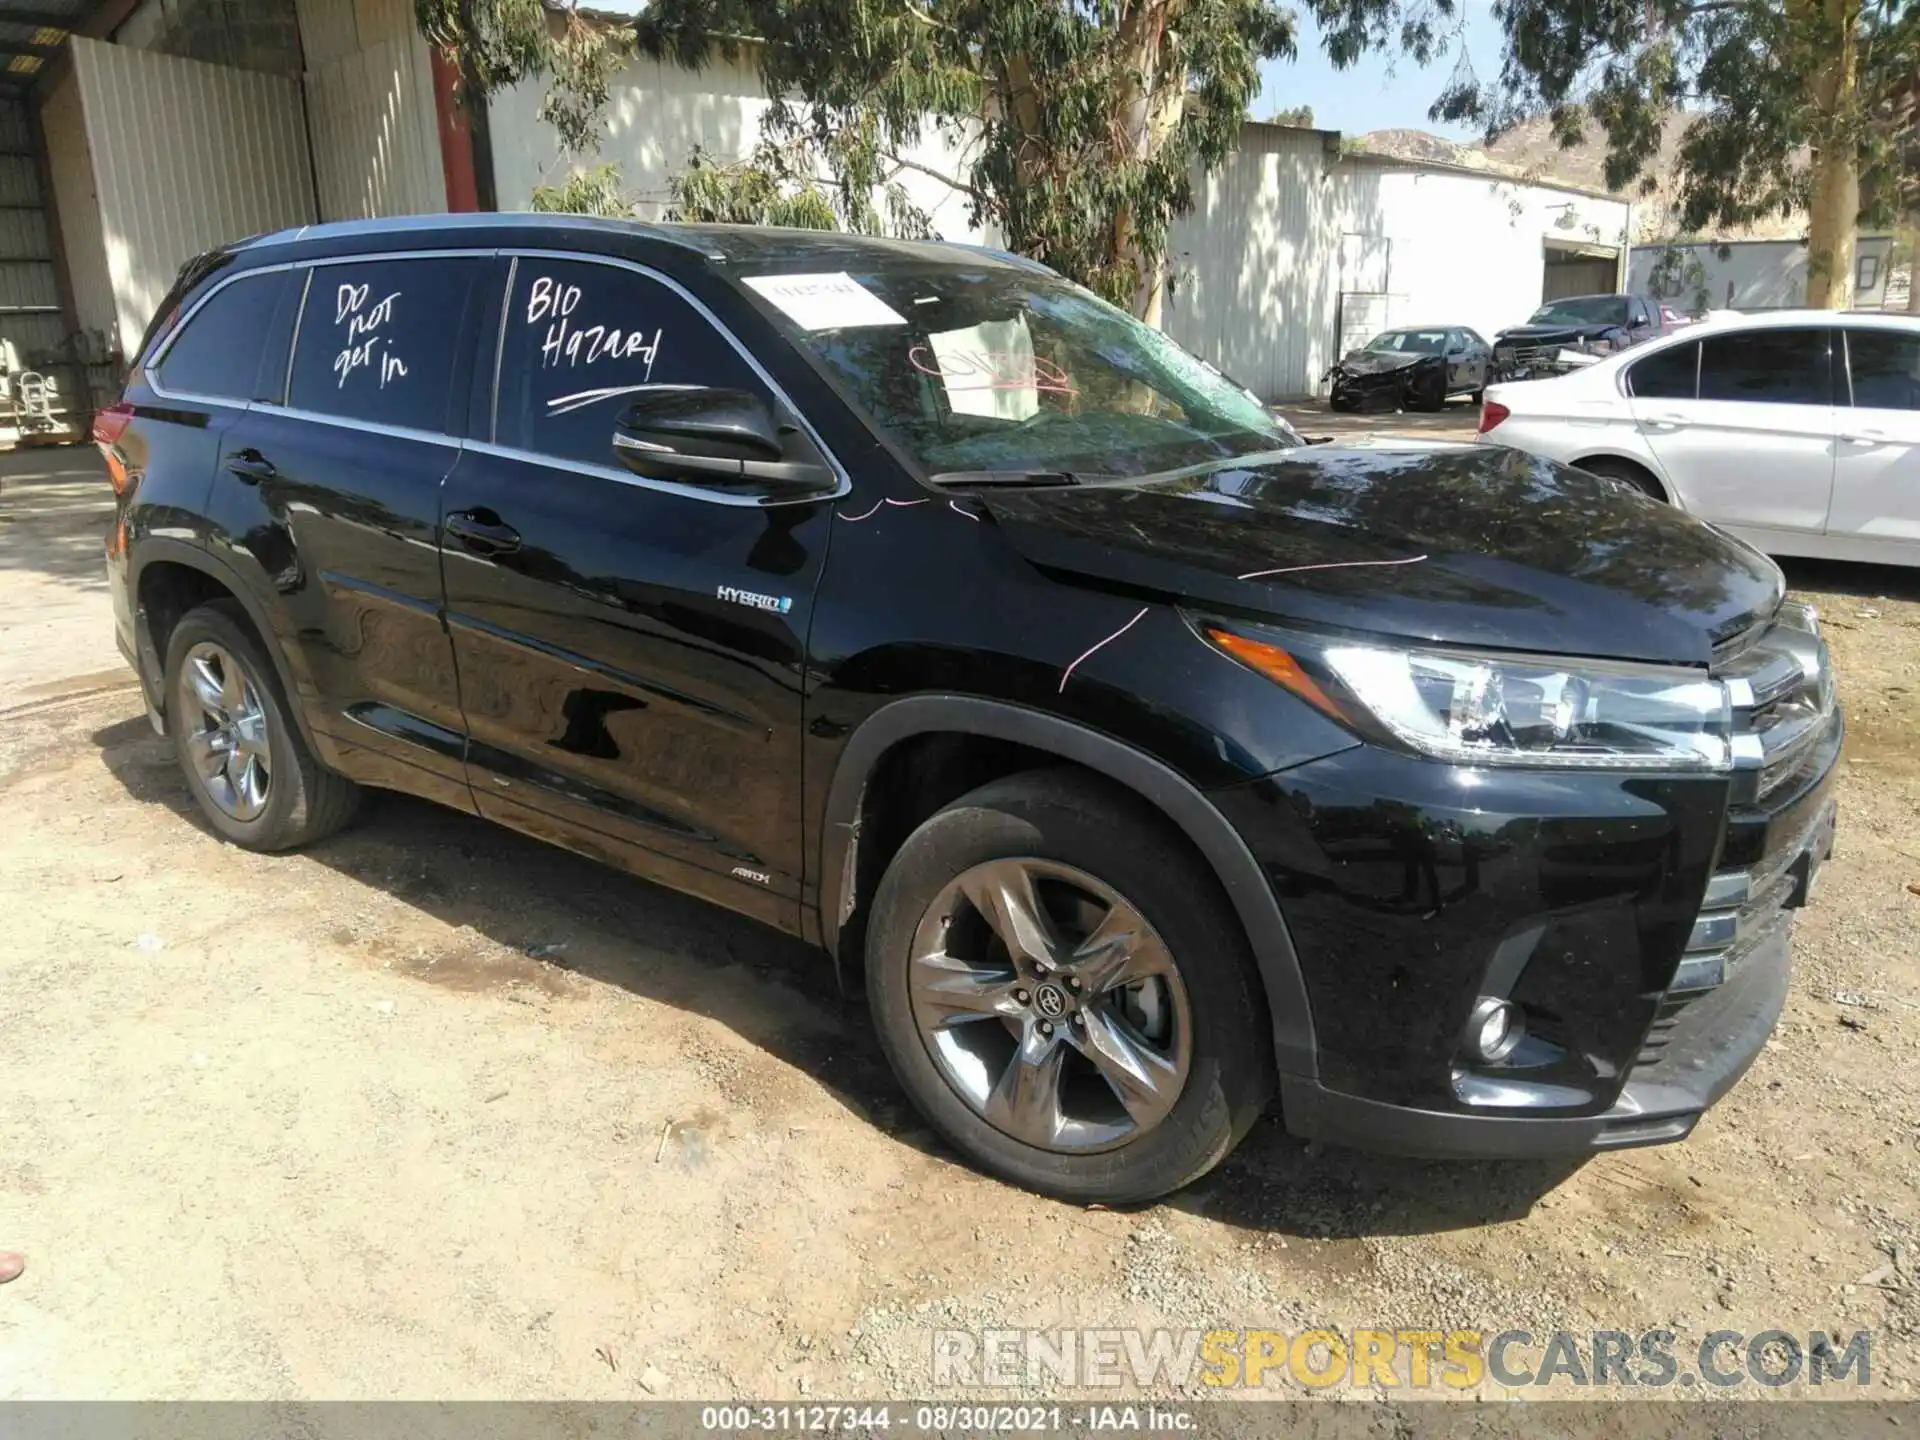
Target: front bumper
<point x="1687" y="1063"/>
<point x="1385" y="390"/>
<point x="1642" y="926"/>
<point x="1535" y="362"/>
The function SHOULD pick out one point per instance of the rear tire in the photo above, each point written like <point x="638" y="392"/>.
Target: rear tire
<point x="1627" y="473"/>
<point x="1027" y="1065"/>
<point x="245" y="761"/>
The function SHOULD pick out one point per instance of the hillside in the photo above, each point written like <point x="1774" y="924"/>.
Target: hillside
<point x="1529" y="151"/>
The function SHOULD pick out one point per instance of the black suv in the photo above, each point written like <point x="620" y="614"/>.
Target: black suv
<point x="1141" y="761"/>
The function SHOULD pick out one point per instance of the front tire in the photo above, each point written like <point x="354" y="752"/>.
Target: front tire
<point x="246" y="763"/>
<point x="1065" y="993"/>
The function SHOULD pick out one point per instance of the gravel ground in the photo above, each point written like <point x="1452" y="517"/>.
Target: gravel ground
<point x="435" y="1111"/>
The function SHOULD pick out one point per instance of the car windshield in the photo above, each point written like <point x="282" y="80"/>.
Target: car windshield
<point x="1411" y="342"/>
<point x="984" y="365"/>
<point x="1583" y="310"/>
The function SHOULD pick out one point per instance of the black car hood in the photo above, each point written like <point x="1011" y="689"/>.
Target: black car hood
<point x="1458" y="544"/>
<point x="1380" y="362"/>
<point x="1555" y="334"/>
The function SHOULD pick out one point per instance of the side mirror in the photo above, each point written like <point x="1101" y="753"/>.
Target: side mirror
<point x="702" y="435"/>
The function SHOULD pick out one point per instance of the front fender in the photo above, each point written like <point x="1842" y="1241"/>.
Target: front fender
<point x="1175" y="798"/>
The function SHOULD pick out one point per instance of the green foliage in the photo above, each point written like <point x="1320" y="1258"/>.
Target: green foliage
<point x="1298" y="116"/>
<point x="499" y="43"/>
<point x="1081" y="121"/>
<point x="1765" y="80"/>
<point x="756" y="192"/>
<point x="585" y="192"/>
<point x="581" y="63"/>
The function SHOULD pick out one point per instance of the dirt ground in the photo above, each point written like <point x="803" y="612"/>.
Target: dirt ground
<point x="1457" y="420"/>
<point x="434" y="1111"/>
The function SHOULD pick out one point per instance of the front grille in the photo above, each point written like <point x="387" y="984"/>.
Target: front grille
<point x="1782" y="685"/>
<point x="1513" y="362"/>
<point x="1781" y="682"/>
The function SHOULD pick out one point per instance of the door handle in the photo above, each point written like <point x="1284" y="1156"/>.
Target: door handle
<point x="482" y="532"/>
<point x="1664" y="422"/>
<point x="250" y="467"/>
<point x="1866" y="437"/>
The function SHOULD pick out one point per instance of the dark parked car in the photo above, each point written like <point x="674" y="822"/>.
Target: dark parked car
<point x="1576" y="326"/>
<point x="1416" y="369"/>
<point x="1142" y="763"/>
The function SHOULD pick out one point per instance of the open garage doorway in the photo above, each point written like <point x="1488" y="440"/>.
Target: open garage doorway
<point x="1576" y="269"/>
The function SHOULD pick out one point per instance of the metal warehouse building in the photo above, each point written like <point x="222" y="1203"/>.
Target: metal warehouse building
<point x="136" y="133"/>
<point x="1297" y="251"/>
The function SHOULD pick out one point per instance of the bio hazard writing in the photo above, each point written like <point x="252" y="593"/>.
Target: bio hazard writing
<point x="572" y="341"/>
<point x="368" y="345"/>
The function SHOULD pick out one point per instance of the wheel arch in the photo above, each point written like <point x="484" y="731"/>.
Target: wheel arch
<point x="1164" y="789"/>
<point x="162" y="551"/>
<point x="1621" y="459"/>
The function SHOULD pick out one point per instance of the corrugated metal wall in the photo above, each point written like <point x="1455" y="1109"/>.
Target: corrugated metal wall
<point x="376" y="142"/>
<point x="186" y="156"/>
<point x="71" y="164"/>
<point x="31" y="320"/>
<point x="29" y="296"/>
<point x="1256" y="265"/>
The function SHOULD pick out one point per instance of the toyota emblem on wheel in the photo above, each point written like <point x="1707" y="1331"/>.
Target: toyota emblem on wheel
<point x="1050" y="1000"/>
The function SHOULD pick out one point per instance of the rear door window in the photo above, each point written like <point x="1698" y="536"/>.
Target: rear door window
<point x="379" y="341"/>
<point x="218" y="352"/>
<point x="1666" y="374"/>
<point x="1768" y="367"/>
<point x="582" y="339"/>
<point x="1886" y="369"/>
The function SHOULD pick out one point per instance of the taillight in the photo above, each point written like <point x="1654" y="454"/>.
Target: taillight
<point x="111" y="423"/>
<point x="1491" y="414"/>
<point x="108" y="426"/>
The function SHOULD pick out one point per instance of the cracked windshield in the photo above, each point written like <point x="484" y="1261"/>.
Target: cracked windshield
<point x="988" y="368"/>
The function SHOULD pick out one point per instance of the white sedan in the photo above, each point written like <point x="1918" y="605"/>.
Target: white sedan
<point x="1799" y="431"/>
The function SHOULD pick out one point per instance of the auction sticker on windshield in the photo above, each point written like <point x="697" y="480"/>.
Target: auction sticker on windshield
<point x="834" y="301"/>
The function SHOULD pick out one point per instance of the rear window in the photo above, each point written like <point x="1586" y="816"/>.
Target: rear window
<point x="1886" y="369"/>
<point x="379" y="340"/>
<point x="1666" y="374"/>
<point x="218" y="352"/>
<point x="1767" y="367"/>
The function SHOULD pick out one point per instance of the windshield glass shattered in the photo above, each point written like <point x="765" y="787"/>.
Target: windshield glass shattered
<point x="1586" y="310"/>
<point x="982" y="365"/>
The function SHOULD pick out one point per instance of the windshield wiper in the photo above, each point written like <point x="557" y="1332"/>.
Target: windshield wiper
<point x="970" y="479"/>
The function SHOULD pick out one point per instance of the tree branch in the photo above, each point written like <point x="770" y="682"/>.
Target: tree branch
<point x="902" y="163"/>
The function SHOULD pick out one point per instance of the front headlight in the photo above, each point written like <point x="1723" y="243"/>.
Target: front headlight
<point x="1480" y="709"/>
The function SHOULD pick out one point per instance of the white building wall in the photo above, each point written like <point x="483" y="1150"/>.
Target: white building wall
<point x="69" y="161"/>
<point x="186" y="156"/>
<point x="1749" y="274"/>
<point x="1287" y="224"/>
<point x="659" y="114"/>
<point x="370" y="104"/>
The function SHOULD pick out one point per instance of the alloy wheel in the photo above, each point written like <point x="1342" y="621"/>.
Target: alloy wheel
<point x="1050" y="1005"/>
<point x="226" y="731"/>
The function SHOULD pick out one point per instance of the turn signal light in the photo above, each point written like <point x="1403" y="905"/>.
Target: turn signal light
<point x="1277" y="665"/>
<point x="1491" y="414"/>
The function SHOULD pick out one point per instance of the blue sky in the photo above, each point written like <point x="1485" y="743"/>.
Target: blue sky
<point x="1381" y="92"/>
